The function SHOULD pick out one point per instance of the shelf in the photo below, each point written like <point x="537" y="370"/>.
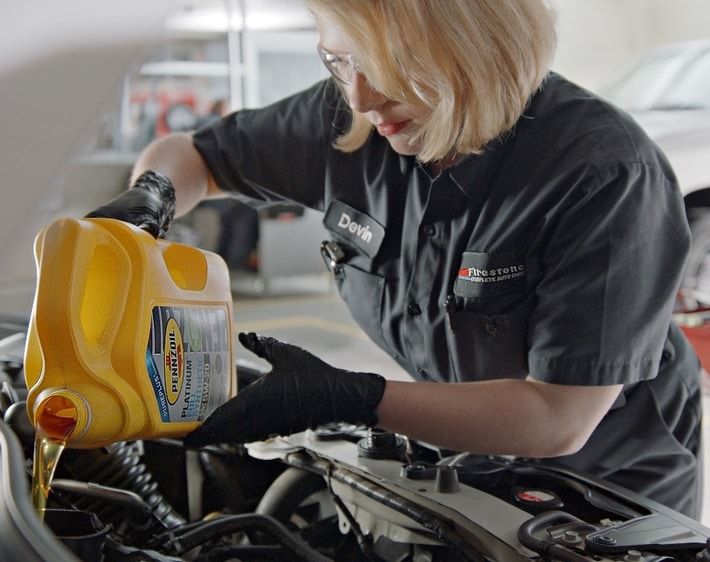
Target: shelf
<point x="106" y="157"/>
<point x="186" y="68"/>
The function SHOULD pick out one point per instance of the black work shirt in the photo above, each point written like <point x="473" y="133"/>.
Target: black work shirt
<point x="555" y="253"/>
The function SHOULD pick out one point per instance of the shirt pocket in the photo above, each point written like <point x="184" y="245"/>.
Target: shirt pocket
<point x="363" y="294"/>
<point x="489" y="346"/>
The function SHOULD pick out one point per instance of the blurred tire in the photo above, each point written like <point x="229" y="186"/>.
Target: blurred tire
<point x="696" y="279"/>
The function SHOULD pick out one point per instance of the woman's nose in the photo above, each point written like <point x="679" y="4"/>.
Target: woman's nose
<point x="362" y="97"/>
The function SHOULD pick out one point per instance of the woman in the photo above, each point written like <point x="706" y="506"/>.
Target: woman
<point x="493" y="226"/>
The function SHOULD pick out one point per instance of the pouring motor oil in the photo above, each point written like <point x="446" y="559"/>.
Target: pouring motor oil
<point x="130" y="337"/>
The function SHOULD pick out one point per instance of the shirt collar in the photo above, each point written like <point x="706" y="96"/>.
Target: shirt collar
<point x="477" y="171"/>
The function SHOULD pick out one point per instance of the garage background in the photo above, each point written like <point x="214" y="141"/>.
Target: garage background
<point x="55" y="116"/>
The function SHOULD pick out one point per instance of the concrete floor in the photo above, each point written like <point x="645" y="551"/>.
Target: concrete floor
<point x="320" y="323"/>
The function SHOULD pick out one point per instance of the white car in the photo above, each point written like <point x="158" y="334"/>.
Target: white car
<point x="668" y="93"/>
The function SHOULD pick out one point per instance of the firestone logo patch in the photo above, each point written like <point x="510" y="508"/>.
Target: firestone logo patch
<point x="494" y="275"/>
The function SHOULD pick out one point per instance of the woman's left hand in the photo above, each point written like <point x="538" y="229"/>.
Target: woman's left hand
<point x="300" y="392"/>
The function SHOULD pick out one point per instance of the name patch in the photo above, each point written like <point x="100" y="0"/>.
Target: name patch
<point x="490" y="274"/>
<point x="361" y="230"/>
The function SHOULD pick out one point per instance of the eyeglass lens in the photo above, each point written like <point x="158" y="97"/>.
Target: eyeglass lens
<point x="341" y="67"/>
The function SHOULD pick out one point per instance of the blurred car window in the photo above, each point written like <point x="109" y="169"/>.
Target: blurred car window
<point x="692" y="89"/>
<point x="674" y="77"/>
<point x="642" y="82"/>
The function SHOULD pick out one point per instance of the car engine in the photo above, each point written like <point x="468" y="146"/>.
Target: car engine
<point x="339" y="492"/>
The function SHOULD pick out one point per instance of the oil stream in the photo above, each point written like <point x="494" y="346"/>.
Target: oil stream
<point x="55" y="422"/>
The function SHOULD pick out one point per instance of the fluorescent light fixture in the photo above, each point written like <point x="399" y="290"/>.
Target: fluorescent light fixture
<point x="260" y="18"/>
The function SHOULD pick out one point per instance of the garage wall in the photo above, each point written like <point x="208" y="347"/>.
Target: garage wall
<point x="680" y="19"/>
<point x="597" y="37"/>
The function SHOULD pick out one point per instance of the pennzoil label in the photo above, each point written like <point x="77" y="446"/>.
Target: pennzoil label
<point x="188" y="361"/>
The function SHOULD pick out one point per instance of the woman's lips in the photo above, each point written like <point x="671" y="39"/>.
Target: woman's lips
<point x="388" y="129"/>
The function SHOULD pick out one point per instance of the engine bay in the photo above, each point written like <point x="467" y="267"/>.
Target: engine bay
<point x="339" y="492"/>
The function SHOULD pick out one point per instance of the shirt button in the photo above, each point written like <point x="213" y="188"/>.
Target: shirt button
<point x="423" y="373"/>
<point x="429" y="230"/>
<point x="492" y="328"/>
<point x="413" y="309"/>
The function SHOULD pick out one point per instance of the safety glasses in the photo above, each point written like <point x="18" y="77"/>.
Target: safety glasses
<point x="342" y="67"/>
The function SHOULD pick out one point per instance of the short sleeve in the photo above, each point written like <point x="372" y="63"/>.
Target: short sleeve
<point x="610" y="273"/>
<point x="275" y="153"/>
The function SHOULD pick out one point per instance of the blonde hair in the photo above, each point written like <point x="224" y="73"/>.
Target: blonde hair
<point x="474" y="63"/>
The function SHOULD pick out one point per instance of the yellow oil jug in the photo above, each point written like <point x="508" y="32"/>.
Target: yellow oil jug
<point x="129" y="338"/>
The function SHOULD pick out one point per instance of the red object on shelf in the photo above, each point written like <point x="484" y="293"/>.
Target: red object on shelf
<point x="694" y="319"/>
<point x="699" y="337"/>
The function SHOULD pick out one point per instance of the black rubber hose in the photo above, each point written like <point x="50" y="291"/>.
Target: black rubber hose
<point x="119" y="466"/>
<point x="548" y="548"/>
<point x="235" y="523"/>
<point x="287" y="492"/>
<point x="222" y="477"/>
<point x="260" y="553"/>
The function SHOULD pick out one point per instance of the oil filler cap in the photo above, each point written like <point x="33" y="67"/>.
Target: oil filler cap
<point x="380" y="444"/>
<point x="537" y="498"/>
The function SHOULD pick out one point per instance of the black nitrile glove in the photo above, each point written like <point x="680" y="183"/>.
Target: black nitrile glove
<point x="149" y="204"/>
<point x="300" y="392"/>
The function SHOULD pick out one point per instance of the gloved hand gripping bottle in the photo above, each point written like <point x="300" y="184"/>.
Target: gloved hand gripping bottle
<point x="130" y="337"/>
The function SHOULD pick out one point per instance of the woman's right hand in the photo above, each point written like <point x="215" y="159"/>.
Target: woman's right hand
<point x="149" y="204"/>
